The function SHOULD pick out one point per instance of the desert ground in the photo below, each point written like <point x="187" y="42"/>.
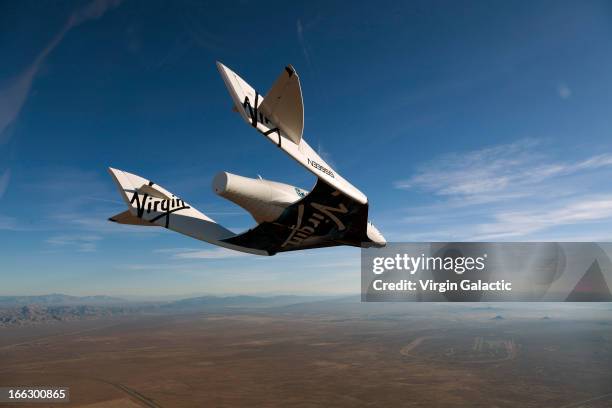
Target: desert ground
<point x="323" y="353"/>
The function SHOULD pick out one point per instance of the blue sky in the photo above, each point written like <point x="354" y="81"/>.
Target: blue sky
<point x="461" y="121"/>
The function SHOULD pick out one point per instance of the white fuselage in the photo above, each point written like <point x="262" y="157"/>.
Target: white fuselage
<point x="265" y="200"/>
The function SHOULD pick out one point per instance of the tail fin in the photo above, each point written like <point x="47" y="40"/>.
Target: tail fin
<point x="284" y="105"/>
<point x="282" y="108"/>
<point x="151" y="205"/>
<point x="280" y="118"/>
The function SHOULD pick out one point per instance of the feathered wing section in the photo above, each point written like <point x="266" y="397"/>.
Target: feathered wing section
<point x="284" y="106"/>
<point x="248" y="102"/>
<point x="151" y="205"/>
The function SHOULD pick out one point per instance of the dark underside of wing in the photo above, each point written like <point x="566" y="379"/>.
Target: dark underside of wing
<point x="323" y="218"/>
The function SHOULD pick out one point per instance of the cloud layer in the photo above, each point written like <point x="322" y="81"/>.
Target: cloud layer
<point x="509" y="191"/>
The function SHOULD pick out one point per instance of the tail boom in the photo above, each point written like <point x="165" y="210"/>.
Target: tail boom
<point x="151" y="205"/>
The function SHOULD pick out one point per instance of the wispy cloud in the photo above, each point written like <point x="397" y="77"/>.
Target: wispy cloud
<point x="69" y="181"/>
<point x="496" y="173"/>
<point x="14" y="94"/>
<point x="14" y="91"/>
<point x="214" y="253"/>
<point x="80" y="243"/>
<point x="564" y="91"/>
<point x="325" y="155"/>
<point x="71" y="200"/>
<point x="507" y="192"/>
<point x="300" y="28"/>
<point x="300" y="34"/>
<point x="520" y="223"/>
<point x="8" y="223"/>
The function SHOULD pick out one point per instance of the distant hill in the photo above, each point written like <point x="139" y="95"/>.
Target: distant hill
<point x="57" y="299"/>
<point x="208" y="302"/>
<point x="35" y="314"/>
<point x="486" y="308"/>
<point x="29" y="310"/>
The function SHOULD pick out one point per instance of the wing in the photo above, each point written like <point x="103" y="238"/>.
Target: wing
<point x="325" y="217"/>
<point x="150" y="204"/>
<point x="248" y="102"/>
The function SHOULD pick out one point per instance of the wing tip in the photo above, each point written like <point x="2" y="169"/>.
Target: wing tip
<point x="223" y="69"/>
